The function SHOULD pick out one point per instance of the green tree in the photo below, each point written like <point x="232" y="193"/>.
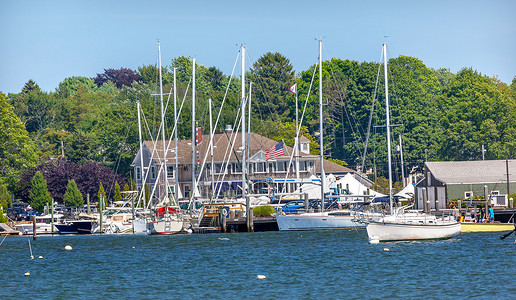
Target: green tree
<point x="73" y="197"/>
<point x="2" y="218"/>
<point x="39" y="195"/>
<point x="35" y="108"/>
<point x="444" y="76"/>
<point x="149" y="74"/>
<point x="272" y="74"/>
<point x="108" y="87"/>
<point x="126" y="187"/>
<point x="118" y="194"/>
<point x="513" y="86"/>
<point x="70" y="86"/>
<point x="102" y="194"/>
<point x="17" y="150"/>
<point x="477" y="110"/>
<point x="30" y="86"/>
<point x="5" y="198"/>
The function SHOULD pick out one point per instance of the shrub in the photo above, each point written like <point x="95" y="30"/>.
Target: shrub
<point x="263" y="211"/>
<point x="2" y="218"/>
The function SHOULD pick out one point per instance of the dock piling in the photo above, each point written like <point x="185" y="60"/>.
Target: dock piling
<point x="34" y="227"/>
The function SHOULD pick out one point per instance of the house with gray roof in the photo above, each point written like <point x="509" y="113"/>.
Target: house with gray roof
<point x="450" y="180"/>
<point x="227" y="170"/>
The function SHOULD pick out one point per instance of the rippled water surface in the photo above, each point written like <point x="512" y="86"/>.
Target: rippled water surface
<point x="317" y="264"/>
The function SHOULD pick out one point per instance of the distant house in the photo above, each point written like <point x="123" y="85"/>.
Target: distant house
<point x="449" y="180"/>
<point x="227" y="170"/>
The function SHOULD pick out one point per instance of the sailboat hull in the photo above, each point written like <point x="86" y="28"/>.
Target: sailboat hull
<point x="324" y="220"/>
<point x="315" y="222"/>
<point x="167" y="226"/>
<point x="384" y="232"/>
<point x="42" y="228"/>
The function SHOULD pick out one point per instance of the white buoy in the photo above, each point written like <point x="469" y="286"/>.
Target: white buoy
<point x="386" y="249"/>
<point x="40" y="257"/>
<point x="374" y="241"/>
<point x="20" y="233"/>
<point x="27" y="274"/>
<point x="260" y="277"/>
<point x="31" y="257"/>
<point x="133" y="247"/>
<point x="68" y="247"/>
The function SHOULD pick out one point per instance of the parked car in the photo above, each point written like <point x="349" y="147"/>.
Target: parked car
<point x="292" y="206"/>
<point x="20" y="205"/>
<point x="316" y="205"/>
<point x="18" y="214"/>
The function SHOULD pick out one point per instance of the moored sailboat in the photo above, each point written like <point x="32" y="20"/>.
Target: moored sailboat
<point x="325" y="219"/>
<point x="403" y="224"/>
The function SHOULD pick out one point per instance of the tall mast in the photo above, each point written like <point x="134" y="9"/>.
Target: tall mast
<point x="138" y="107"/>
<point x="243" y="121"/>
<point x="321" y="124"/>
<point x="249" y="132"/>
<point x="388" y="124"/>
<point x="402" y="167"/>
<point x="296" y="141"/>
<point x="164" y="160"/>
<point x="176" y="190"/>
<point x="211" y="152"/>
<point x="193" y="131"/>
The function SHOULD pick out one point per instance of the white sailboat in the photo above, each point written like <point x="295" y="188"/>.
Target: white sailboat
<point x="324" y="219"/>
<point x="403" y="224"/>
<point x="168" y="221"/>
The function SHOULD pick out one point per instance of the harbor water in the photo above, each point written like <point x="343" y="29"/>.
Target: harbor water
<point x="336" y="264"/>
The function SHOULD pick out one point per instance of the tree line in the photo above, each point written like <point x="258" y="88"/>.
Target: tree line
<point x="91" y="123"/>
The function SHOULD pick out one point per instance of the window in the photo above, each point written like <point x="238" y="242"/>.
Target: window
<point x="237" y="168"/>
<point x="302" y="166"/>
<point x="153" y="172"/>
<point x="281" y="166"/>
<point x="259" y="167"/>
<point x="170" y="171"/>
<point x="218" y="169"/>
<point x="468" y="195"/>
<point x="271" y="167"/>
<point x="138" y="173"/>
<point x="310" y="165"/>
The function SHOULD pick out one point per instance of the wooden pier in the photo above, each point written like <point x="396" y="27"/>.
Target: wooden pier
<point x="228" y="217"/>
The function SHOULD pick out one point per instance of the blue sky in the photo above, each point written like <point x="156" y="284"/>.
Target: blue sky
<point x="48" y="41"/>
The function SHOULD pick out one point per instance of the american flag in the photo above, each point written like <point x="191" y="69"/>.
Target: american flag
<point x="274" y="151"/>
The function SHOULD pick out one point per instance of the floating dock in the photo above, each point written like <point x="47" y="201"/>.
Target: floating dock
<point x="485" y="227"/>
